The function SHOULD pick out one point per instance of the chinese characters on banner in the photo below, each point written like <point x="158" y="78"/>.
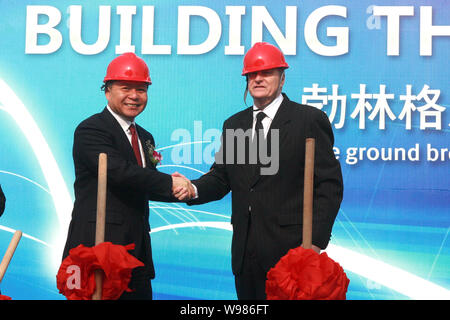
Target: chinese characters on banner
<point x="377" y="105"/>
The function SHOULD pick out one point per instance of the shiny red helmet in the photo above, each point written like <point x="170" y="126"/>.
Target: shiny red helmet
<point x="263" y="56"/>
<point x="128" y="67"/>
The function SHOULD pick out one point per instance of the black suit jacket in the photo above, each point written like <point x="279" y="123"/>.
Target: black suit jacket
<point x="2" y="201"/>
<point x="129" y="188"/>
<point x="275" y="202"/>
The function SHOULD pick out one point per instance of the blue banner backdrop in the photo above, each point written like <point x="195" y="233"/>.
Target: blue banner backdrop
<point x="379" y="69"/>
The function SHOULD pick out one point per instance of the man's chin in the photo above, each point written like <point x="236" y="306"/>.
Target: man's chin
<point x="133" y="113"/>
<point x="259" y="95"/>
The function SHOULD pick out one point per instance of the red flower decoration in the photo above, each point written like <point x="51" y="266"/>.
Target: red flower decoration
<point x="303" y="274"/>
<point x="157" y="156"/>
<point x="75" y="278"/>
<point x="2" y="297"/>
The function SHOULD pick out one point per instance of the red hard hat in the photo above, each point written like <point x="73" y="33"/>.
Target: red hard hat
<point x="128" y="67"/>
<point x="263" y="56"/>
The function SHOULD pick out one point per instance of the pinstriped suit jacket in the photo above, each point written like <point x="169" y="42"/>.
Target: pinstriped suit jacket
<point x="275" y="202"/>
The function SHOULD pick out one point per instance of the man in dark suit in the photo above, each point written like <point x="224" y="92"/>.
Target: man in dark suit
<point x="267" y="204"/>
<point x="132" y="178"/>
<point x="2" y="201"/>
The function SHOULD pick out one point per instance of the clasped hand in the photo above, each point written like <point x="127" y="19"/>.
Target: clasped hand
<point x="182" y="188"/>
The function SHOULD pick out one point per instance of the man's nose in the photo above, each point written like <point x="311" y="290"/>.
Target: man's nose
<point x="259" y="76"/>
<point x="132" y="94"/>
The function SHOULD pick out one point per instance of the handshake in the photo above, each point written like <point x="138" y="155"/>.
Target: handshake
<point x="182" y="188"/>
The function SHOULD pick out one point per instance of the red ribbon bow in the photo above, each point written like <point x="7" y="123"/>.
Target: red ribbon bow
<point x="303" y="274"/>
<point x="75" y="278"/>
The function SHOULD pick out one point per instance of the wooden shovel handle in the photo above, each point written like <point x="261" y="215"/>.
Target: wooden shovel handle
<point x="101" y="199"/>
<point x="308" y="193"/>
<point x="101" y="216"/>
<point x="9" y="253"/>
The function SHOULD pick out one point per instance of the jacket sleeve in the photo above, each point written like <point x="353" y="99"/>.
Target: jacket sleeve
<point x="328" y="185"/>
<point x="90" y="140"/>
<point x="214" y="184"/>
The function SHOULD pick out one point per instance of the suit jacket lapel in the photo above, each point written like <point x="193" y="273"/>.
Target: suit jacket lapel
<point x="246" y="120"/>
<point x="283" y="114"/>
<point x="282" y="117"/>
<point x="122" y="140"/>
<point x="146" y="141"/>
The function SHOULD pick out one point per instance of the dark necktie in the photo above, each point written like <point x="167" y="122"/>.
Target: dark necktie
<point x="259" y="134"/>
<point x="135" y="144"/>
<point x="259" y="129"/>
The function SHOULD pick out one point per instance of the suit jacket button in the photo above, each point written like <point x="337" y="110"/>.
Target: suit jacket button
<point x="249" y="208"/>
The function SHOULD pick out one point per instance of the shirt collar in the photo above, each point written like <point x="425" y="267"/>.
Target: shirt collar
<point x="271" y="109"/>
<point x="125" y="124"/>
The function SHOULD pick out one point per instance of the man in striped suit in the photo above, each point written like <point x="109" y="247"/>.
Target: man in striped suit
<point x="267" y="198"/>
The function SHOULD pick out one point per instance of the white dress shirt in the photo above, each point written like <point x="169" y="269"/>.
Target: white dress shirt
<point x="125" y="124"/>
<point x="270" y="111"/>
